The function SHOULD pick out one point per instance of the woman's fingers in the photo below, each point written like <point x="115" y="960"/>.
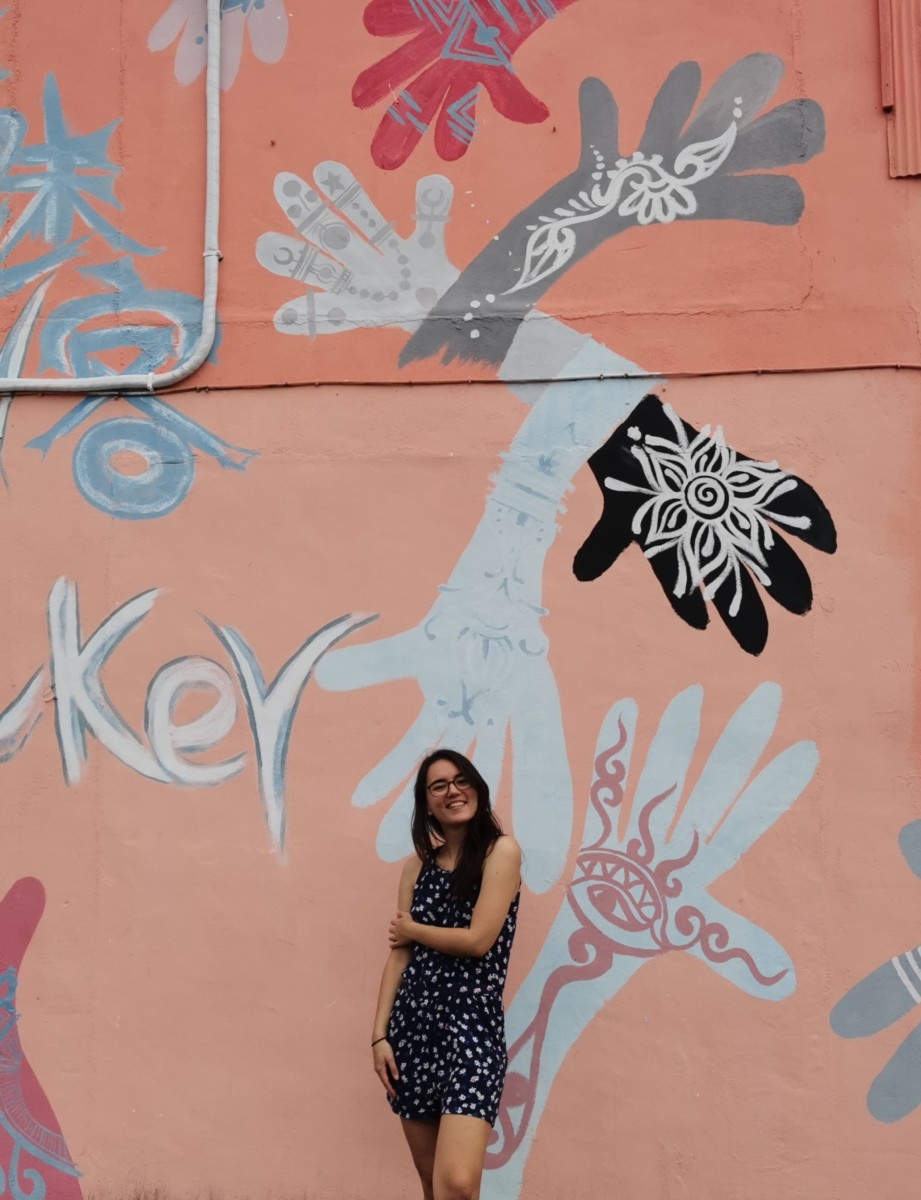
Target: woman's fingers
<point x="385" y="1067"/>
<point x="384" y="1076"/>
<point x="390" y="1069"/>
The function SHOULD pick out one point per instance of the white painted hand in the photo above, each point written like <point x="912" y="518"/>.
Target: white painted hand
<point x="355" y="270"/>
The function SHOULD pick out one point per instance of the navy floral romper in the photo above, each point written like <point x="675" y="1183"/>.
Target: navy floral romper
<point x="447" y="1026"/>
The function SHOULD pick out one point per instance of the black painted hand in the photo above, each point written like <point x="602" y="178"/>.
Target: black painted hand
<point x="707" y="518"/>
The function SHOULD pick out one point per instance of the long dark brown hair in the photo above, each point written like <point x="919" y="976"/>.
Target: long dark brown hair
<point x="481" y="833"/>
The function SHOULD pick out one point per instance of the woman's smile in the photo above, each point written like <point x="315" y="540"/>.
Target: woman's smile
<point x="449" y="793"/>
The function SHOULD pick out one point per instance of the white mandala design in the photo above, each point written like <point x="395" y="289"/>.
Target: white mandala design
<point x="708" y="506"/>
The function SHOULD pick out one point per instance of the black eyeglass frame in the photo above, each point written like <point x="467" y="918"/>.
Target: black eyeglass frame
<point x="461" y="782"/>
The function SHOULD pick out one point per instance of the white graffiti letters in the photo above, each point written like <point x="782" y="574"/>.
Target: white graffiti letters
<point x="81" y="703"/>
<point x="170" y="742"/>
<point x="19" y="719"/>
<point x="271" y="709"/>
<point x="163" y="751"/>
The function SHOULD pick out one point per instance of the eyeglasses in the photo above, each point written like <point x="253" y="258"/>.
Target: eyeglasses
<point x="440" y="786"/>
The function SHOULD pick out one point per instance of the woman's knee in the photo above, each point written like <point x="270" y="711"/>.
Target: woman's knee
<point x="456" y="1186"/>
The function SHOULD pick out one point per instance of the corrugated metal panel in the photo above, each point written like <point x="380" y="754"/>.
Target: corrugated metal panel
<point x="900" y="47"/>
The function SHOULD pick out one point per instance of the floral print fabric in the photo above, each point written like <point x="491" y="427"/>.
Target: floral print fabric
<point x="447" y="1027"/>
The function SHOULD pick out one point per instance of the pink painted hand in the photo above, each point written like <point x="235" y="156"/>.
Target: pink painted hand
<point x="32" y="1148"/>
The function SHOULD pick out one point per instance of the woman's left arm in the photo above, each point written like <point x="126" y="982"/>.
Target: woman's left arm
<point x="498" y="888"/>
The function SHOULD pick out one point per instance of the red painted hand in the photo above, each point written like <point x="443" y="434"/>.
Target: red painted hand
<point x="456" y="46"/>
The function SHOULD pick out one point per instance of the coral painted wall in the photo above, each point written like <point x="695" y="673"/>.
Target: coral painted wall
<point x="564" y="410"/>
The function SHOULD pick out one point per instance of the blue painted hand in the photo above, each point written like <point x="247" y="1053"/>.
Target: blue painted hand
<point x="480" y="660"/>
<point x="642" y="893"/>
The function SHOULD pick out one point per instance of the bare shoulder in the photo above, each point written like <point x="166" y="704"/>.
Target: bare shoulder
<point x="408" y="877"/>
<point x="411" y="869"/>
<point x="505" y="853"/>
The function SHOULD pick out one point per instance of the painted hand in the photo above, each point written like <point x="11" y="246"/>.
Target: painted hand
<point x="266" y="22"/>
<point x="355" y="271"/>
<point x="480" y="660"/>
<point x="455" y="48"/>
<point x="701" y="168"/>
<point x="708" y="520"/>
<point x="34" y="1159"/>
<point x="881" y="998"/>
<point x="643" y="893"/>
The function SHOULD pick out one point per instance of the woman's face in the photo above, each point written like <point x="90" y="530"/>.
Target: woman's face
<point x="452" y="799"/>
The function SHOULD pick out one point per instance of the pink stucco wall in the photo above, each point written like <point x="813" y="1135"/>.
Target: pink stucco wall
<point x="194" y="1006"/>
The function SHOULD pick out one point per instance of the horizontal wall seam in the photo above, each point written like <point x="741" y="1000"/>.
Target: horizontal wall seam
<point x="538" y="381"/>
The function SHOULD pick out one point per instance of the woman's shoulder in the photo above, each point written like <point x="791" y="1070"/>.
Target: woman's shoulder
<point x="411" y="869"/>
<point x="505" y="850"/>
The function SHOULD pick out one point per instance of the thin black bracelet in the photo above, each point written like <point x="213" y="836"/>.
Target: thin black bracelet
<point x="376" y="1040"/>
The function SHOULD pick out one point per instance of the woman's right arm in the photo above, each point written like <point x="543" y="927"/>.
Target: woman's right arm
<point x="385" y="1066"/>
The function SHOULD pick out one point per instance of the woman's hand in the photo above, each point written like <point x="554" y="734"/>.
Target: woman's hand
<point x="401" y="930"/>
<point x="385" y="1067"/>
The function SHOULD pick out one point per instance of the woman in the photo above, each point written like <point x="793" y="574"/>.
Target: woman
<point x="439" y="1031"/>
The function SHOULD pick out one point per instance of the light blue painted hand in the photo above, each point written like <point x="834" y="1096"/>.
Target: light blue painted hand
<point x="480" y="659"/>
<point x="644" y="892"/>
<point x="480" y="655"/>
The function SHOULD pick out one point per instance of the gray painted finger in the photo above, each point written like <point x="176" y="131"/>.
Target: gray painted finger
<point x="896" y="1090"/>
<point x="341" y="191"/>
<point x="883" y="996"/>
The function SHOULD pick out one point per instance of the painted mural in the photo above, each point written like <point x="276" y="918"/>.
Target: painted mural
<point x="457" y="48"/>
<point x="464" y="290"/>
<point x="35" y="1158"/>
<point x="111" y="322"/>
<point x="705" y="516"/>
<point x="882" y="997"/>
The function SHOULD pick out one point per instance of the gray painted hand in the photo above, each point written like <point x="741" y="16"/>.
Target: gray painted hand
<point x="884" y="996"/>
<point x="684" y="169"/>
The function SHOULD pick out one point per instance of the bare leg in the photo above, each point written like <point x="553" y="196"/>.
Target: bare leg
<point x="422" y="1137"/>
<point x="459" y="1157"/>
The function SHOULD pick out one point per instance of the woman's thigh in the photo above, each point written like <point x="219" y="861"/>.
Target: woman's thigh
<point x="459" y="1155"/>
